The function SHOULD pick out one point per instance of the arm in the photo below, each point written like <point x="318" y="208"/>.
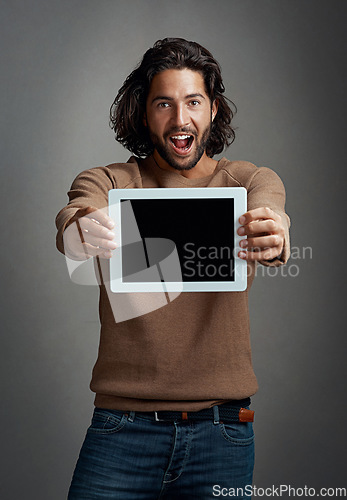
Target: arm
<point x="83" y="225"/>
<point x="265" y="224"/>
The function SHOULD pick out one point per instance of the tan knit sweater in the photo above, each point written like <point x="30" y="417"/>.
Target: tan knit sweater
<point x="195" y="351"/>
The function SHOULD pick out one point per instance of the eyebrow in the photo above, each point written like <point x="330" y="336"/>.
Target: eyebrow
<point x="166" y="98"/>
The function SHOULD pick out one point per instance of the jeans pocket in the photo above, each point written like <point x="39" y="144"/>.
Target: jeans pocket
<point x="238" y="433"/>
<point x="107" y="421"/>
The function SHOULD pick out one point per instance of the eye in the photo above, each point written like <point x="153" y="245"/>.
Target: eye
<point x="163" y="105"/>
<point x="194" y="102"/>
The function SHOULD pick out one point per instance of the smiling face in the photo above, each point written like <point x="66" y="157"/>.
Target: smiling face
<point x="179" y="117"/>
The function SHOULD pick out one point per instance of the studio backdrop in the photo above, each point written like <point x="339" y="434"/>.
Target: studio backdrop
<point x="62" y="63"/>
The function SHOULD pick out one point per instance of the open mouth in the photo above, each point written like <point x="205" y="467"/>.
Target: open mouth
<point x="182" y="143"/>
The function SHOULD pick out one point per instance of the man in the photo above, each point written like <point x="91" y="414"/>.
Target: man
<point x="173" y="386"/>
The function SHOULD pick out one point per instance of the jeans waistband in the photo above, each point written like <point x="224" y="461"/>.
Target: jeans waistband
<point x="232" y="411"/>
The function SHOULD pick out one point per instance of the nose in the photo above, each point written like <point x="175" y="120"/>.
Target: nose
<point x="181" y="115"/>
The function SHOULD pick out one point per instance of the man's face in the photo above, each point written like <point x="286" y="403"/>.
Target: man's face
<point x="179" y="117"/>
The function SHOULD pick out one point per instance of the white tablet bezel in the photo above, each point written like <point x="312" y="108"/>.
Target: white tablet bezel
<point x="117" y="285"/>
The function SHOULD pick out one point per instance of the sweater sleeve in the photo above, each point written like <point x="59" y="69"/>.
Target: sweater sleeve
<point x="266" y="189"/>
<point x="90" y="188"/>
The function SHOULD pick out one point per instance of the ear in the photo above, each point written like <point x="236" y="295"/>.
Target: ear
<point x="214" y="108"/>
<point x="144" y="120"/>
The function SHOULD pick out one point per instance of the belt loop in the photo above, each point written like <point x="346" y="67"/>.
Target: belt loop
<point x="131" y="416"/>
<point x="215" y="415"/>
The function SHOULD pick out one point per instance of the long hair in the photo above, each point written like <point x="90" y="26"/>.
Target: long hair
<point x="128" y="108"/>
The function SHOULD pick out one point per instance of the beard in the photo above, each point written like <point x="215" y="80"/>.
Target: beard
<point x="164" y="149"/>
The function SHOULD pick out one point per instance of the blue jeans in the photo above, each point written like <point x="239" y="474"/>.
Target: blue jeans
<point x="133" y="457"/>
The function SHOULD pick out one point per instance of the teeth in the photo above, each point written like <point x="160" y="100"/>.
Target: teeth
<point x="180" y="137"/>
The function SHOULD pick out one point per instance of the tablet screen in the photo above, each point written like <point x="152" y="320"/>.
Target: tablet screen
<point x="201" y="229"/>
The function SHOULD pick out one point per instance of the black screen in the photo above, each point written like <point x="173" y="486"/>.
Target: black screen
<point x="201" y="229"/>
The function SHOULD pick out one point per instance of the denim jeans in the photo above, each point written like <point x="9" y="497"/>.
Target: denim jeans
<point x="134" y="457"/>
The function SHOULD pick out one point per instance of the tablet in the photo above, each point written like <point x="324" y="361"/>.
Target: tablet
<point x="177" y="239"/>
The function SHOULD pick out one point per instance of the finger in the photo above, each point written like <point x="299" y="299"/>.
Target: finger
<point x="98" y="216"/>
<point x="83" y="244"/>
<point x="107" y="254"/>
<point x="258" y="213"/>
<point x="98" y="242"/>
<point x="263" y="226"/>
<point x="93" y="251"/>
<point x="261" y="242"/>
<point x="87" y="251"/>
<point x="89" y="226"/>
<point x="268" y="254"/>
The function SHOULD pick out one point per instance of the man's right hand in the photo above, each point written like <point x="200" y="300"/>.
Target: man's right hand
<point x="89" y="234"/>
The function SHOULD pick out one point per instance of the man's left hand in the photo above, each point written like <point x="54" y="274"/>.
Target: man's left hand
<point x="265" y="234"/>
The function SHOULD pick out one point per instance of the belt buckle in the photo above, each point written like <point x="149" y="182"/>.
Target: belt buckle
<point x="184" y="416"/>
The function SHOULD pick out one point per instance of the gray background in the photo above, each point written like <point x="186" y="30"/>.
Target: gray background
<point x="283" y="66"/>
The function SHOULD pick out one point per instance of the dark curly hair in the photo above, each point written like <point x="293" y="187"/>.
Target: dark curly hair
<point x="128" y="108"/>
